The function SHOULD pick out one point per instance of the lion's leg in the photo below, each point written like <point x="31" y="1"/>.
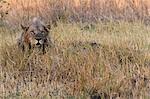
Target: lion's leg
<point x="43" y="48"/>
<point x="29" y="46"/>
<point x="23" y="47"/>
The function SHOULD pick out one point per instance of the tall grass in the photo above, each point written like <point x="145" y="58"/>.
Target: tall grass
<point x="102" y="49"/>
<point x="21" y="11"/>
<point x="106" y="60"/>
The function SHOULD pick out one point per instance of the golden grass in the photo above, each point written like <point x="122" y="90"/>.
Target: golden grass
<point x="95" y="54"/>
<point x="106" y="60"/>
<point x="21" y="11"/>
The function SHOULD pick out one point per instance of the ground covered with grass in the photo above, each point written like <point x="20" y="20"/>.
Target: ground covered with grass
<point x="103" y="60"/>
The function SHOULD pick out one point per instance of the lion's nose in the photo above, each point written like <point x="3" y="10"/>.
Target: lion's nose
<point x="38" y="39"/>
<point x="39" y="36"/>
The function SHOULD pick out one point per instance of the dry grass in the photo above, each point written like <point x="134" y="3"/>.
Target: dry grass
<point x="104" y="60"/>
<point x="21" y="11"/>
<point x="102" y="49"/>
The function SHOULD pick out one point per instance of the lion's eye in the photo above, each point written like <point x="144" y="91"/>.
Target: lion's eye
<point x="42" y="32"/>
<point x="32" y="32"/>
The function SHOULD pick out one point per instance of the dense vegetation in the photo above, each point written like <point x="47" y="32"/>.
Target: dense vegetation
<point x="90" y="59"/>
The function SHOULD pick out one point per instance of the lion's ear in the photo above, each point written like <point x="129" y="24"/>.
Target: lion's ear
<point x="24" y="27"/>
<point x="47" y="27"/>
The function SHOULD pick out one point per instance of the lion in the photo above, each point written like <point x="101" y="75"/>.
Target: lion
<point x="35" y="35"/>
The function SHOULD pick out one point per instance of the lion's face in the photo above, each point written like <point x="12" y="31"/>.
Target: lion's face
<point x="37" y="32"/>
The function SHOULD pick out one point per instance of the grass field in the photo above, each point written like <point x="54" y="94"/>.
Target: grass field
<point x="103" y="60"/>
<point x="101" y="50"/>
